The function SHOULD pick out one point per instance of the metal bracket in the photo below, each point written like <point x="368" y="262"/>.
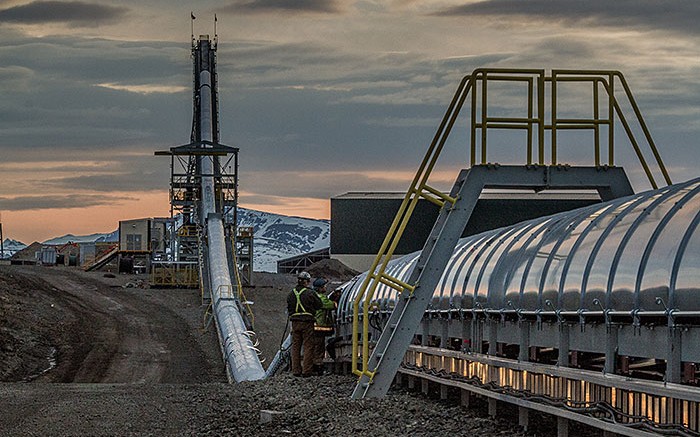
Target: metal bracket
<point x="582" y="319"/>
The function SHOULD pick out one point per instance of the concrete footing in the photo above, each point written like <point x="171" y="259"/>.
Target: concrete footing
<point x="493" y="407"/>
<point x="562" y="427"/>
<point x="465" y="398"/>
<point x="523" y="417"/>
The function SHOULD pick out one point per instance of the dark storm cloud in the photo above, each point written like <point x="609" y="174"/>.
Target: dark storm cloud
<point x="73" y="13"/>
<point x="78" y="59"/>
<point x="273" y="183"/>
<point x="348" y="74"/>
<point x="153" y="176"/>
<point x="676" y="15"/>
<point x="289" y="6"/>
<point x="26" y="203"/>
<point x="74" y="93"/>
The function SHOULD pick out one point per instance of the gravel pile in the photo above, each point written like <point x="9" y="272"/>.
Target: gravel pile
<point x="331" y="269"/>
<point x="28" y="332"/>
<point x="316" y="406"/>
<point x="320" y="406"/>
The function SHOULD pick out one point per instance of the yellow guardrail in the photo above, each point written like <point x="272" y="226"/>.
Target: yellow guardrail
<point x="237" y="274"/>
<point x="535" y="119"/>
<point x="534" y="123"/>
<point x="377" y="272"/>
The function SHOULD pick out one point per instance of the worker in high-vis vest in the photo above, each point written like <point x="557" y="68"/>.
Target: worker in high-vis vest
<point x="325" y="323"/>
<point x="302" y="304"/>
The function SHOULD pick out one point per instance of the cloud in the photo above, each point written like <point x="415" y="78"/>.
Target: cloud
<point x="677" y="15"/>
<point x="153" y="180"/>
<point x="288" y="6"/>
<point x="76" y="13"/>
<point x="145" y="89"/>
<point x="401" y="122"/>
<point x="25" y="203"/>
<point x="273" y="184"/>
<point x="83" y="92"/>
<point x="134" y="172"/>
<point x="14" y="78"/>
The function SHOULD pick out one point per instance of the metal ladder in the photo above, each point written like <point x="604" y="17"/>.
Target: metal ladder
<point x="414" y="298"/>
<point x="411" y="304"/>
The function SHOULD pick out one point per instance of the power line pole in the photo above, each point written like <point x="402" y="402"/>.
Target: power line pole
<point x="2" y="248"/>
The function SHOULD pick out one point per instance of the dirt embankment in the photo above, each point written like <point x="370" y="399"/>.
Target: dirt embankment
<point x="65" y="325"/>
<point x="86" y="327"/>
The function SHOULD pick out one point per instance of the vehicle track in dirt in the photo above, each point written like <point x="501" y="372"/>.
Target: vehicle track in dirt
<point x="105" y="333"/>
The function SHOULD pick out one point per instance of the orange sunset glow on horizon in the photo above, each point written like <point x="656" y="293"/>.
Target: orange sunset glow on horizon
<point x="40" y="225"/>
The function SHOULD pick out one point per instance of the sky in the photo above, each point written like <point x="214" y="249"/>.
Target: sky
<point x="322" y="97"/>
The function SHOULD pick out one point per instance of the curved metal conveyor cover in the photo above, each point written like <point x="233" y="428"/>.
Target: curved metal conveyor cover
<point x="239" y="353"/>
<point x="634" y="252"/>
<point x="241" y="357"/>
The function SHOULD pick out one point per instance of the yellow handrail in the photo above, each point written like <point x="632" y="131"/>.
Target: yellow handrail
<point x="535" y="116"/>
<point x="418" y="186"/>
<point x="237" y="275"/>
<point x="241" y="295"/>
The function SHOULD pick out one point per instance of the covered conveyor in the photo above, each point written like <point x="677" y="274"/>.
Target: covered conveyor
<point x="590" y="315"/>
<point x="595" y="312"/>
<point x="207" y="199"/>
<point x="239" y="352"/>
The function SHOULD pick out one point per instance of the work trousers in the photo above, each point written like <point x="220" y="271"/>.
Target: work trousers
<point x="303" y="336"/>
<point x="320" y="346"/>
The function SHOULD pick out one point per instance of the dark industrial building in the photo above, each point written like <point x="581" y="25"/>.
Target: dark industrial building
<point x="360" y="221"/>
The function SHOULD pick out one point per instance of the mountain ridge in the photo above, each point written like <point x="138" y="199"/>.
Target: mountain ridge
<point x="275" y="237"/>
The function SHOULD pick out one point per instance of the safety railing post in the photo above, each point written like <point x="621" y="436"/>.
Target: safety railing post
<point x="596" y="126"/>
<point x="541" y="116"/>
<point x="472" y="83"/>
<point x="611" y="120"/>
<point x="554" y="118"/>
<point x="529" y="120"/>
<point x="484" y="117"/>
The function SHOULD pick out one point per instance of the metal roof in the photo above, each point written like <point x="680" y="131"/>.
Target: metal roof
<point x="638" y="253"/>
<point x="512" y="194"/>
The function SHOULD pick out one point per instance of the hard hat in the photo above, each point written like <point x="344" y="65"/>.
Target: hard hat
<point x="305" y="276"/>
<point x="320" y="282"/>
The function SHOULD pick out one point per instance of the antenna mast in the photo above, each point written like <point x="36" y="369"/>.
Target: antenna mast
<point x="2" y="247"/>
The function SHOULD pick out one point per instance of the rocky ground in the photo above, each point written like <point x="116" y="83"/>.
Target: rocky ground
<point x="61" y="324"/>
<point x="135" y="361"/>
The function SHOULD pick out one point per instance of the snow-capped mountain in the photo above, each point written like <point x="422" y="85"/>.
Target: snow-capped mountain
<point x="275" y="237"/>
<point x="10" y="246"/>
<point x="111" y="237"/>
<point x="278" y="236"/>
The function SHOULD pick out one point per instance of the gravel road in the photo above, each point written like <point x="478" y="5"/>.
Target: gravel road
<point x="87" y="328"/>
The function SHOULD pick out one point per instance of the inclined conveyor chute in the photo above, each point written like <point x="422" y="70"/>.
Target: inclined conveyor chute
<point x="203" y="195"/>
<point x="240" y="354"/>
